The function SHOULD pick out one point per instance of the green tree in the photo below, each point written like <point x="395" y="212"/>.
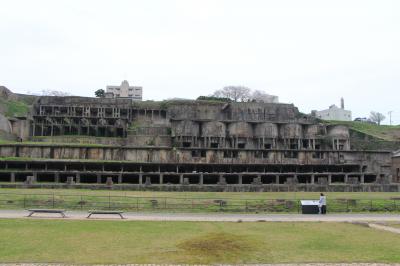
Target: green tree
<point x="100" y="93"/>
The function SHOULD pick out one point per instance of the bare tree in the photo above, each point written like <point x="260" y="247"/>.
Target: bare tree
<point x="377" y="117"/>
<point x="235" y="93"/>
<point x="261" y="96"/>
<point x="55" y="93"/>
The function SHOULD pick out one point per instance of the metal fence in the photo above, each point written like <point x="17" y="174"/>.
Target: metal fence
<point x="201" y="205"/>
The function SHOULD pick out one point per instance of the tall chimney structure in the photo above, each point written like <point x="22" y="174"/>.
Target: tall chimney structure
<point x="342" y="103"/>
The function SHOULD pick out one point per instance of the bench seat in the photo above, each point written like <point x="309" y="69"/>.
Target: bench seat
<point x="32" y="211"/>
<point x="106" y="213"/>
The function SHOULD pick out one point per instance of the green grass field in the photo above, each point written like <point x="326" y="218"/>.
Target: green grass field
<point x="209" y="195"/>
<point x="117" y="242"/>
<point x="201" y="202"/>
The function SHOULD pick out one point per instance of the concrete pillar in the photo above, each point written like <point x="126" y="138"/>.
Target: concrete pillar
<point x="346" y="178"/>
<point x="362" y="179"/>
<point x="201" y="179"/>
<point x="34" y="176"/>
<point x="57" y="177"/>
<point x="120" y="179"/>
<point x="329" y="179"/>
<point x="277" y="179"/>
<point x="161" y="179"/>
<point x="12" y="177"/>
<point x="240" y="179"/>
<point x="98" y="179"/>
<point x="312" y="179"/>
<point x="78" y="178"/>
<point x="140" y="179"/>
<point x="181" y="179"/>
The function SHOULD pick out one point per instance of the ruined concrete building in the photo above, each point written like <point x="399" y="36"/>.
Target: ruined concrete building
<point x="189" y="145"/>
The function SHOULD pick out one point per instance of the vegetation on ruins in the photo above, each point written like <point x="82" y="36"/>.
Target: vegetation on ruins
<point x="13" y="108"/>
<point x="99" y="242"/>
<point x="377" y="117"/>
<point x="213" y="98"/>
<point x="384" y="132"/>
<point x="100" y="93"/>
<point x="235" y="93"/>
<point x="241" y="94"/>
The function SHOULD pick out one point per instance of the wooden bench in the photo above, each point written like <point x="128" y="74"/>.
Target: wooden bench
<point x="32" y="211"/>
<point x="106" y="213"/>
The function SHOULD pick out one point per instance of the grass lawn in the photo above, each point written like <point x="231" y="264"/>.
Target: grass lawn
<point x="209" y="195"/>
<point x="116" y="242"/>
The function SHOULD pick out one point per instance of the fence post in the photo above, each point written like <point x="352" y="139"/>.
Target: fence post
<point x="109" y="201"/>
<point x="370" y="206"/>
<point x="137" y="204"/>
<point x="81" y="202"/>
<point x="24" y="201"/>
<point x="246" y="206"/>
<point x="347" y="205"/>
<point x="53" y="201"/>
<point x="298" y="206"/>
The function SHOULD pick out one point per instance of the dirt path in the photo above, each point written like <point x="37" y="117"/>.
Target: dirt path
<point x="385" y="228"/>
<point x="78" y="215"/>
<point x="303" y="264"/>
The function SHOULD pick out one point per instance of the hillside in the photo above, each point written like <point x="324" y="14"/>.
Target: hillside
<point x="366" y="136"/>
<point x="14" y="105"/>
<point x="383" y="132"/>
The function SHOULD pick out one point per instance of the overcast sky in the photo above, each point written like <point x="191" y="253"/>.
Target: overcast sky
<point x="309" y="53"/>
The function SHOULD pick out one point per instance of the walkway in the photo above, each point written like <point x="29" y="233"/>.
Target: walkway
<point x="214" y="217"/>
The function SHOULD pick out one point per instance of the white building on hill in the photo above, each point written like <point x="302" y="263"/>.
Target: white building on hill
<point x="334" y="113"/>
<point x="125" y="91"/>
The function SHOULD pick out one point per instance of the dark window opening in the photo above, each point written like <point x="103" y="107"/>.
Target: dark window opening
<point x="291" y="154"/>
<point x="293" y="146"/>
<point x="196" y="154"/>
<point x="186" y="144"/>
<point x="247" y="179"/>
<point x="88" y="178"/>
<point x="5" y="177"/>
<point x="120" y="132"/>
<point x="210" y="180"/>
<point x="230" y="154"/>
<point x="337" y="179"/>
<point x="232" y="179"/>
<point x="268" y="179"/>
<point x="318" y="155"/>
<point x="171" y="179"/>
<point x="369" y="178"/>
<point x="241" y="145"/>
<point x="268" y="146"/>
<point x="304" y="179"/>
<point x="130" y="179"/>
<point x="214" y="145"/>
<point x="305" y="143"/>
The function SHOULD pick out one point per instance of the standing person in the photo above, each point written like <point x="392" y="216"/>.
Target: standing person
<point x="322" y="204"/>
